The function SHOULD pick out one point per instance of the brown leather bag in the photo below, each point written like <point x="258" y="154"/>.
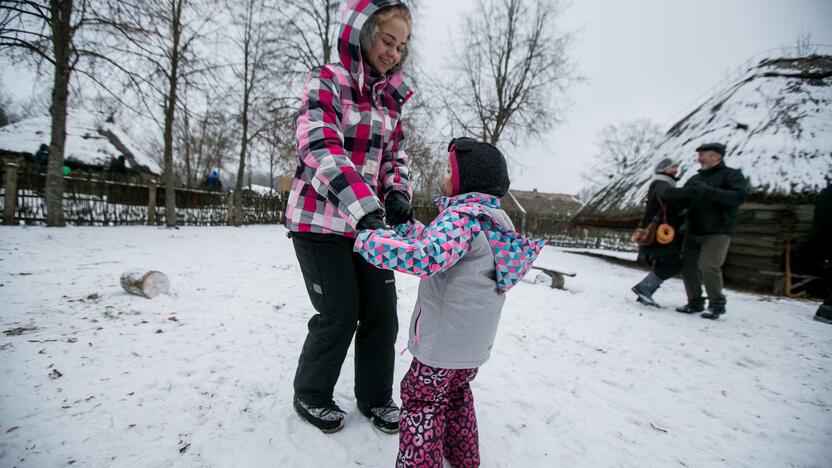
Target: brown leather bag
<point x="645" y="235"/>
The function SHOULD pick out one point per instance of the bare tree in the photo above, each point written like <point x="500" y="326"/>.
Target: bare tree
<point x="621" y="147"/>
<point x="254" y="36"/>
<point x="160" y="42"/>
<point x="48" y="31"/>
<point x="509" y="77"/>
<point x="311" y="29"/>
<point x="804" y="46"/>
<point x="277" y="140"/>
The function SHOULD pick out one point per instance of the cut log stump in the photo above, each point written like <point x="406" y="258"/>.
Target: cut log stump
<point x="144" y="283"/>
<point x="557" y="277"/>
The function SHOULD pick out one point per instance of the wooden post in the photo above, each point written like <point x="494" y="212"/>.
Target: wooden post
<point x="788" y="265"/>
<point x="230" y="220"/>
<point x="11" y="194"/>
<point x="151" y="203"/>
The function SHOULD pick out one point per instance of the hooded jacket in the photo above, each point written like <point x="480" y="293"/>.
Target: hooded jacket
<point x="349" y="136"/>
<point x="468" y="258"/>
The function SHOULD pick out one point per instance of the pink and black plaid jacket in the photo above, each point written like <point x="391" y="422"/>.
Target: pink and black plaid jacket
<point x="349" y="137"/>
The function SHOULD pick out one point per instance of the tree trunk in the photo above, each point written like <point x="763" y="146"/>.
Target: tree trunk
<point x="61" y="11"/>
<point x="238" y="188"/>
<point x="170" y="108"/>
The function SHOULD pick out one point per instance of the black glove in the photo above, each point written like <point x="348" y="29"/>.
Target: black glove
<point x="700" y="189"/>
<point x="398" y="208"/>
<point x="371" y="221"/>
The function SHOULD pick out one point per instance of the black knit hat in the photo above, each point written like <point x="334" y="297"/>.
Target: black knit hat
<point x="477" y="167"/>
<point x="715" y="147"/>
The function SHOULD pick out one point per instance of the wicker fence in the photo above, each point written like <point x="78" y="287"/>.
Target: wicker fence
<point x="95" y="201"/>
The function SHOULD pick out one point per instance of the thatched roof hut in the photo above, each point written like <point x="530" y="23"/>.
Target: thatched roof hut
<point x="776" y="121"/>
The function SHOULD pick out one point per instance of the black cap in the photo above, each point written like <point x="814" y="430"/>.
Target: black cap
<point x="715" y="147"/>
<point x="477" y="167"/>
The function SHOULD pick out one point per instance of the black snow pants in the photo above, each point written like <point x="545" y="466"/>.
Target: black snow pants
<point x="351" y="297"/>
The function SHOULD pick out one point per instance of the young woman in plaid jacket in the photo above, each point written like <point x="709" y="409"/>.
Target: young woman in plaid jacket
<point x="352" y="172"/>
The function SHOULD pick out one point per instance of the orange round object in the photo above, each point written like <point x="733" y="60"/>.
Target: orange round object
<point x="665" y="234"/>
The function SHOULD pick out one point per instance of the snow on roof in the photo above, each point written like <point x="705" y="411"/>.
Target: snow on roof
<point x="776" y="122"/>
<point x="261" y="189"/>
<point x="84" y="141"/>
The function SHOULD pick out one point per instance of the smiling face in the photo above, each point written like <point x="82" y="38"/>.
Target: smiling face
<point x="389" y="44"/>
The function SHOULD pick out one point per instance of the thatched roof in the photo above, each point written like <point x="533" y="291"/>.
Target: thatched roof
<point x="90" y="141"/>
<point x="776" y="122"/>
<point x="549" y="205"/>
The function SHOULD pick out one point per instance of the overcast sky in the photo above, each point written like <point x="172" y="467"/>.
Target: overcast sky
<point x="642" y="59"/>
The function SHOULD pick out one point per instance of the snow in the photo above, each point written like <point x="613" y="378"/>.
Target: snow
<point x="583" y="377"/>
<point x="262" y="190"/>
<point x="83" y="141"/>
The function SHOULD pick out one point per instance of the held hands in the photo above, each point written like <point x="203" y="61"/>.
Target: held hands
<point x="371" y="221"/>
<point x="398" y="208"/>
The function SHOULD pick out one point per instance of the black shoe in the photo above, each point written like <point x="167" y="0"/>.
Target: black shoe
<point x="690" y="309"/>
<point x="385" y="417"/>
<point x="824" y="314"/>
<point x="713" y="313"/>
<point x="328" y="418"/>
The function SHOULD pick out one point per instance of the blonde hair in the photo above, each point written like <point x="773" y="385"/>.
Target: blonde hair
<point x="370" y="28"/>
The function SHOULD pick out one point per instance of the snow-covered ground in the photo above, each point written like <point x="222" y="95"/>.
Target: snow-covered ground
<point x="203" y="377"/>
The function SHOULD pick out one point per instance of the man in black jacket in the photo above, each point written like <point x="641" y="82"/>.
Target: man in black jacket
<point x="714" y="195"/>
<point x="822" y="238"/>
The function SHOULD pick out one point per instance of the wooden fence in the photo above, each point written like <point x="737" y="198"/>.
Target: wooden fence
<point x="94" y="201"/>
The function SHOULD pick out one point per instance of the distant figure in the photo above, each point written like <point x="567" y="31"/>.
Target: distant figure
<point x="714" y="197"/>
<point x="665" y="259"/>
<point x="42" y="155"/>
<point x="212" y="181"/>
<point x="822" y="238"/>
<point x="117" y="169"/>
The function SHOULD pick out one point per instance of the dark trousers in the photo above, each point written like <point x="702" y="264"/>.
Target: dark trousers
<point x="351" y="297"/>
<point x="702" y="260"/>
<point x="666" y="266"/>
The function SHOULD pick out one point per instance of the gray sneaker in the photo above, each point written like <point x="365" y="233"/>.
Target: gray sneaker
<point x="385" y="417"/>
<point x="328" y="418"/>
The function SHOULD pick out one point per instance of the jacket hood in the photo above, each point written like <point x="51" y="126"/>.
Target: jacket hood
<point x="513" y="253"/>
<point x="355" y="15"/>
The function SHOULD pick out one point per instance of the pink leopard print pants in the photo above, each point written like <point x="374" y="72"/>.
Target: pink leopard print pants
<point x="437" y="418"/>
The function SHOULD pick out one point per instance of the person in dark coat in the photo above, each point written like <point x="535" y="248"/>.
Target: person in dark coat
<point x="714" y="196"/>
<point x="664" y="258"/>
<point x="117" y="169"/>
<point x="212" y="181"/>
<point x="822" y="239"/>
<point x="42" y="155"/>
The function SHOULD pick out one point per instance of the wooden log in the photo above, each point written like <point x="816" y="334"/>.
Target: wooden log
<point x="144" y="283"/>
<point x="557" y="277"/>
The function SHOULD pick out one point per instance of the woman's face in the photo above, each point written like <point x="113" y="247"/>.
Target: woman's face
<point x="389" y="44"/>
